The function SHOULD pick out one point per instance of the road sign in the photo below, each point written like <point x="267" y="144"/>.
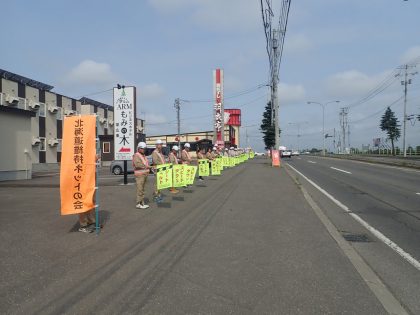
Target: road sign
<point x="124" y="123"/>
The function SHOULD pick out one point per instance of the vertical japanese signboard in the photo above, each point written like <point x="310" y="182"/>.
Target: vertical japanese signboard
<point x="78" y="165"/>
<point x="218" y="108"/>
<point x="124" y="123"/>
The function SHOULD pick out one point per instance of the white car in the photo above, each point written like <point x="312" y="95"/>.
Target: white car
<point x="295" y="153"/>
<point x="286" y="153"/>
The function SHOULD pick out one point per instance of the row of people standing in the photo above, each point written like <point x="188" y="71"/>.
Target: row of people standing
<point x="142" y="169"/>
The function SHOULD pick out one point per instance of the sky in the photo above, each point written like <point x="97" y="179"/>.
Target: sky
<point x="334" y="50"/>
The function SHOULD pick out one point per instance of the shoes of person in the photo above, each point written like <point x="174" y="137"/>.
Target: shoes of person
<point x="158" y="199"/>
<point x="200" y="179"/>
<point x="85" y="229"/>
<point x="142" y="206"/>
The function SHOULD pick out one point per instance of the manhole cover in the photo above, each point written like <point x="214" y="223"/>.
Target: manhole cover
<point x="361" y="238"/>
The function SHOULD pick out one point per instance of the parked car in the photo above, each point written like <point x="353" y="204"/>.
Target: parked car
<point x="117" y="167"/>
<point x="286" y="153"/>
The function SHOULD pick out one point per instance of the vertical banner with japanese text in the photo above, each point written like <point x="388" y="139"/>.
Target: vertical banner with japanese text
<point x="164" y="176"/>
<point x="178" y="172"/>
<point x="190" y="171"/>
<point x="124" y="123"/>
<point x="219" y="132"/>
<point x="275" y="158"/>
<point x="203" y="167"/>
<point x="78" y="165"/>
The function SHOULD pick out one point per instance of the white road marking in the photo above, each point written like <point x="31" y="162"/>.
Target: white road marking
<point x="311" y="162"/>
<point x="410" y="259"/>
<point x="340" y="170"/>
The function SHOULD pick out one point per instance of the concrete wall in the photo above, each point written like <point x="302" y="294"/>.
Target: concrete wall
<point x="9" y="87"/>
<point x="15" y="130"/>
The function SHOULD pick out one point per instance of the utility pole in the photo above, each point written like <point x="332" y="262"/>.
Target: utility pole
<point x="343" y="123"/>
<point x="406" y="82"/>
<point x="177" y="106"/>
<point x="274" y="97"/>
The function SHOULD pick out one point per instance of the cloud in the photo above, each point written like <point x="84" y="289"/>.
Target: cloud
<point x="90" y="72"/>
<point x="154" y="119"/>
<point x="353" y="83"/>
<point x="297" y="44"/>
<point x="151" y="91"/>
<point x="289" y="94"/>
<point x="410" y="55"/>
<point x="215" y="15"/>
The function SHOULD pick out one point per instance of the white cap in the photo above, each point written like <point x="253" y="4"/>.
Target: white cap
<point x="158" y="141"/>
<point x="175" y="147"/>
<point x="214" y="148"/>
<point x="187" y="145"/>
<point x="231" y="148"/>
<point x="141" y="145"/>
<point x="215" y="145"/>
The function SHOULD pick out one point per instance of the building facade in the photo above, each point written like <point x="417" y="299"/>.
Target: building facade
<point x="31" y="125"/>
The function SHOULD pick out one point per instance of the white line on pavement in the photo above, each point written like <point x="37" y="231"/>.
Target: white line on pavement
<point x="337" y="169"/>
<point x="370" y="228"/>
<point x="311" y="162"/>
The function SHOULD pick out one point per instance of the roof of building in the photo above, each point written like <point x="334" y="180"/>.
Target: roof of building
<point x="86" y="100"/>
<point x="24" y="80"/>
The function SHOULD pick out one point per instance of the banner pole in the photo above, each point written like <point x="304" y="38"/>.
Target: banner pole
<point x="96" y="181"/>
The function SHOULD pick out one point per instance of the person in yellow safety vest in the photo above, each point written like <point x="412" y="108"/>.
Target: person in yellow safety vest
<point x="157" y="159"/>
<point x="185" y="154"/>
<point x="141" y="171"/>
<point x="174" y="160"/>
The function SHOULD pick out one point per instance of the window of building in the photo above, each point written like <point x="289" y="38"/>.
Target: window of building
<point x="42" y="109"/>
<point x="42" y="144"/>
<point x="106" y="147"/>
<point x="59" y="145"/>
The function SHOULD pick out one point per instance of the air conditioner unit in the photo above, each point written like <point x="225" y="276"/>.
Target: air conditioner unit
<point x="34" y="105"/>
<point x="36" y="141"/>
<point x="12" y="100"/>
<point x="52" y="109"/>
<point x="111" y="122"/>
<point x="102" y="120"/>
<point x="52" y="142"/>
<point x="69" y="112"/>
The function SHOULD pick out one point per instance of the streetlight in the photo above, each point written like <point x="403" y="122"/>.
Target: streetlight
<point x="323" y="121"/>
<point x="298" y="134"/>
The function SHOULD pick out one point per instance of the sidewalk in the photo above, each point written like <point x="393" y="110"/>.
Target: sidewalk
<point x="243" y="243"/>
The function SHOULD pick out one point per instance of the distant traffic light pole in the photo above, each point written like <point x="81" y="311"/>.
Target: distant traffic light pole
<point x="323" y="121"/>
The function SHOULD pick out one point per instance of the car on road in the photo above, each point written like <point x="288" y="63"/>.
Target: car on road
<point x="295" y="153"/>
<point x="259" y="153"/>
<point x="286" y="153"/>
<point x="117" y="166"/>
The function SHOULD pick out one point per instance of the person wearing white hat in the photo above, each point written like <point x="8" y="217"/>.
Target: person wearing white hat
<point x="174" y="160"/>
<point x="158" y="159"/>
<point x="141" y="171"/>
<point x="185" y="154"/>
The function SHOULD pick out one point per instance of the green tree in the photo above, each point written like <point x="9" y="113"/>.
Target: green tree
<point x="267" y="128"/>
<point x="389" y="124"/>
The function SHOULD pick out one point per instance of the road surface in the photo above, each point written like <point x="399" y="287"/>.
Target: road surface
<point x="386" y="199"/>
<point x="247" y="242"/>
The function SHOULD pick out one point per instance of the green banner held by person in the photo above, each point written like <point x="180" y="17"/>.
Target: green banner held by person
<point x="179" y="179"/>
<point x="190" y="172"/>
<point x="203" y="167"/>
<point x="164" y="176"/>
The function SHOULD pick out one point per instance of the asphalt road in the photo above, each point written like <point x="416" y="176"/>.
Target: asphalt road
<point x="246" y="242"/>
<point x="387" y="199"/>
